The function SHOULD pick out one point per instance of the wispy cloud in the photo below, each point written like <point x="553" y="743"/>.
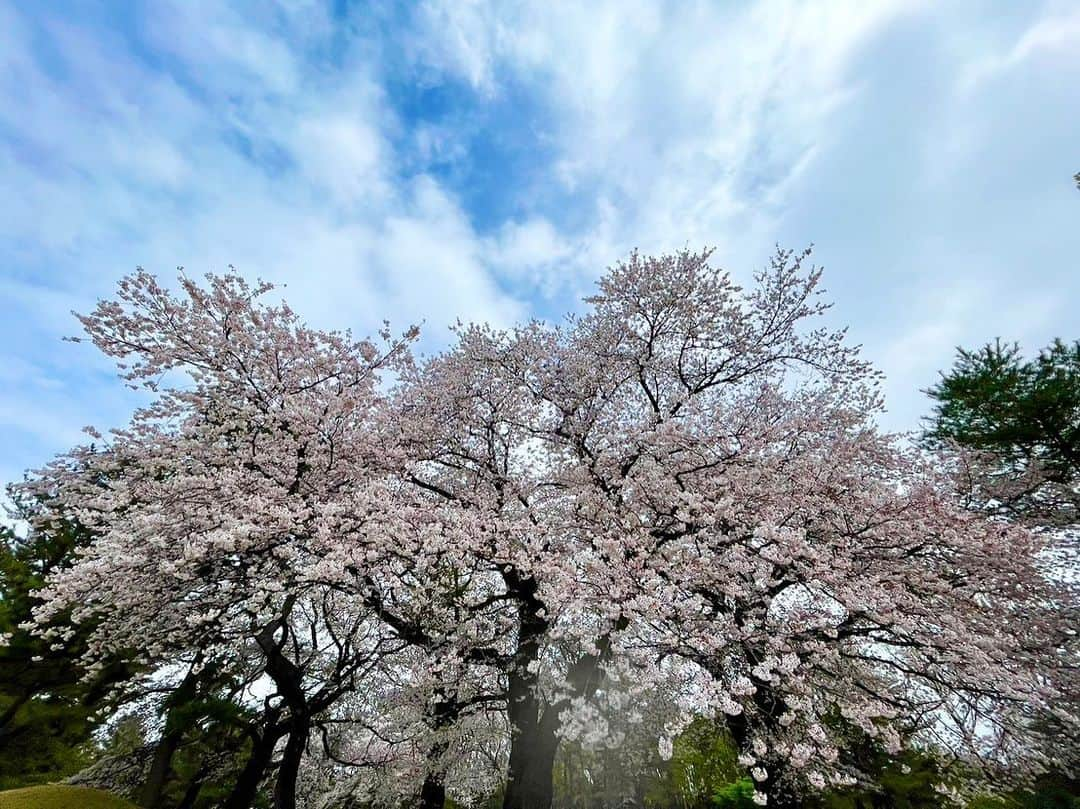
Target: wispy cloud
<point x="488" y="160"/>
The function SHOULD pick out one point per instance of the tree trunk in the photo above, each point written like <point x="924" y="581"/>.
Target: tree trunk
<point x="768" y="706"/>
<point x="171" y="736"/>
<point x="532" y="754"/>
<point x="150" y="796"/>
<point x="534" y="722"/>
<point x="289" y="680"/>
<point x="289" y="769"/>
<point x="433" y="792"/>
<point x="194" y="787"/>
<point x="444" y="711"/>
<point x="246" y="788"/>
<point x="533" y="742"/>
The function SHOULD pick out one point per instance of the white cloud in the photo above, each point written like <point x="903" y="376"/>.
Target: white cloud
<point x="525" y="248"/>
<point x="271" y="142"/>
<point x="346" y="156"/>
<point x="739" y="125"/>
<point x="230" y="52"/>
<point x="242" y="152"/>
<point x="677" y="123"/>
<point x="1057" y="34"/>
<point x="102" y="188"/>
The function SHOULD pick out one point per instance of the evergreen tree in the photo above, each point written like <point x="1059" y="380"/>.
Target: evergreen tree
<point x="1016" y="425"/>
<point x="1019" y="420"/>
<point x="47" y="711"/>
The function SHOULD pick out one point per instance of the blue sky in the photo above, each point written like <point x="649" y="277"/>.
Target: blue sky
<point x="424" y="162"/>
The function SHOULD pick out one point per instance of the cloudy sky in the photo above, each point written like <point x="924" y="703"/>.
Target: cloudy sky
<point x="487" y="161"/>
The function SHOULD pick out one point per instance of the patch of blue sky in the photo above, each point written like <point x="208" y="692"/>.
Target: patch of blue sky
<point x="494" y="152"/>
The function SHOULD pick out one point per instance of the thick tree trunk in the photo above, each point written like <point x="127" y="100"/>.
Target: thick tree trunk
<point x="533" y="742"/>
<point x="533" y="722"/>
<point x="289" y="680"/>
<point x="433" y="792"/>
<point x="532" y="750"/>
<point x="246" y="788"/>
<point x="289" y="769"/>
<point x="768" y="706"/>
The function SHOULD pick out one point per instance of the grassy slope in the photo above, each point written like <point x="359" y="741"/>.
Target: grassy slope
<point x="60" y="797"/>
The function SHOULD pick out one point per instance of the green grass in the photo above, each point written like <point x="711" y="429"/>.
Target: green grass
<point x="61" y="797"/>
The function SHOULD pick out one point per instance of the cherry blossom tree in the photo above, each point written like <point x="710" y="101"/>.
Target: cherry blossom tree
<point x="725" y="460"/>
<point x="218" y="507"/>
<point x="688" y="481"/>
<point x="681" y="489"/>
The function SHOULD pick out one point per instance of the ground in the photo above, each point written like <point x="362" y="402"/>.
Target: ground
<point x="60" y="797"/>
